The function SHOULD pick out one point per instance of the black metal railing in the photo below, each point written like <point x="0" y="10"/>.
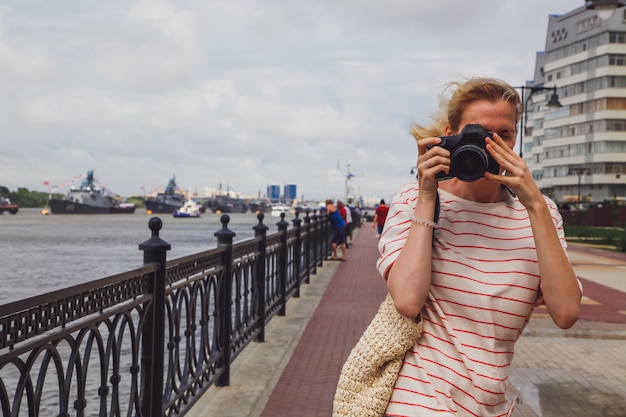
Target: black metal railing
<point x="151" y="341"/>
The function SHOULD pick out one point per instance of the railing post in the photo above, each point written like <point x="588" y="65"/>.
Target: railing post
<point x="297" y="252"/>
<point x="326" y="235"/>
<point x="153" y="333"/>
<point x="316" y="240"/>
<point x="260" y="232"/>
<point x="321" y="238"/>
<point x="282" y="264"/>
<point x="307" y="246"/>
<point x="225" y="241"/>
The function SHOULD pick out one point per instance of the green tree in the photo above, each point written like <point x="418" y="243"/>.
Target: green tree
<point x="25" y="198"/>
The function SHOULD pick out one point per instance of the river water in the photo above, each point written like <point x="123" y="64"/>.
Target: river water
<point x="42" y="253"/>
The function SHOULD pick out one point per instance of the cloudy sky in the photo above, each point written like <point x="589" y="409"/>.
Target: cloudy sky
<point x="242" y="92"/>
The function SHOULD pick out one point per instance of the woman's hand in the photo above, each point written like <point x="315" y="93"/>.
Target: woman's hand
<point x="429" y="163"/>
<point x="514" y="172"/>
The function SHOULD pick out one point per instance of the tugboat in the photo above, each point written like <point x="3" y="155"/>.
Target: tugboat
<point x="166" y="202"/>
<point x="5" y="205"/>
<point x="189" y="209"/>
<point x="88" y="199"/>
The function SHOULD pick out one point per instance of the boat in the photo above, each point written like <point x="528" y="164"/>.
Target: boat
<point x="260" y="206"/>
<point x="302" y="208"/>
<point x="226" y="204"/>
<point x="189" y="209"/>
<point x="278" y="208"/>
<point x="6" y="205"/>
<point x="89" y="199"/>
<point x="166" y="202"/>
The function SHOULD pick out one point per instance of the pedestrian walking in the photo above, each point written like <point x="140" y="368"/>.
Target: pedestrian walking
<point x="380" y="215"/>
<point x="338" y="237"/>
<point x="346" y="214"/>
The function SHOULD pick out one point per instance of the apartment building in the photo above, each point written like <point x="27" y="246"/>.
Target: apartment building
<point x="577" y="152"/>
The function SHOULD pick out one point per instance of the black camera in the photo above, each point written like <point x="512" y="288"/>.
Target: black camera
<point x="469" y="158"/>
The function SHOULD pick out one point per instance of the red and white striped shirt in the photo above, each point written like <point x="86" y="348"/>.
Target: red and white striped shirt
<point x="485" y="283"/>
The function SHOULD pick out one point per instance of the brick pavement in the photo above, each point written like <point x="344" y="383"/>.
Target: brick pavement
<point x="308" y="383"/>
<point x="575" y="372"/>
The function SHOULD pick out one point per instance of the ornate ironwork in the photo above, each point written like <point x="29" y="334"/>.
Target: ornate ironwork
<point x="90" y="349"/>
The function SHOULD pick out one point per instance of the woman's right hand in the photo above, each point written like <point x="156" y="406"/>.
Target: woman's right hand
<point x="429" y="163"/>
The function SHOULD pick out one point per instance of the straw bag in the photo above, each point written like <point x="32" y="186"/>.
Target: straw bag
<point x="370" y="372"/>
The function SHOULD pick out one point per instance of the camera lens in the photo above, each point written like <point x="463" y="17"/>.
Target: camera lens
<point x="469" y="163"/>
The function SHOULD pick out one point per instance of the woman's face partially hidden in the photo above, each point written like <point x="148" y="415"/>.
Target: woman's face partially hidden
<point x="498" y="117"/>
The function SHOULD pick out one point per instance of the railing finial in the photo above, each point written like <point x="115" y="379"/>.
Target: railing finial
<point x="155" y="225"/>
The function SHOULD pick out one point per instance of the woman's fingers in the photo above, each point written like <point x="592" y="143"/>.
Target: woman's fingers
<point x="423" y="145"/>
<point x="432" y="159"/>
<point x="502" y="153"/>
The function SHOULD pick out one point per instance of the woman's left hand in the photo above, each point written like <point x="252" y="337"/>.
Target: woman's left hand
<point x="514" y="172"/>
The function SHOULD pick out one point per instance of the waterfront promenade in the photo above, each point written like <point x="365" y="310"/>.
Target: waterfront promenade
<point x="575" y="372"/>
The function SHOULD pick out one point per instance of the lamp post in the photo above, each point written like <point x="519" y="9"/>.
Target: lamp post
<point x="604" y="8"/>
<point x="580" y="171"/>
<point x="552" y="103"/>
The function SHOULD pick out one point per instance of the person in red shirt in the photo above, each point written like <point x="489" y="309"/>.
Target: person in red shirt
<point x="339" y="231"/>
<point x="347" y="217"/>
<point x="380" y="216"/>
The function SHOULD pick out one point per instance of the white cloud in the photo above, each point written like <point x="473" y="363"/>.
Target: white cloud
<point x="241" y="92"/>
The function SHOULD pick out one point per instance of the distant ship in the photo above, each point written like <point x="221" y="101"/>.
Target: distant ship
<point x="260" y="206"/>
<point x="166" y="202"/>
<point x="278" y="208"/>
<point x="88" y="199"/>
<point x="226" y="204"/>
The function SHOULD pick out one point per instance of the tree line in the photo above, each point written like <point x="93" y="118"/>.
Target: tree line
<point x="23" y="197"/>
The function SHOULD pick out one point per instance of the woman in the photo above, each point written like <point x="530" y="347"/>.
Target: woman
<point x="477" y="273"/>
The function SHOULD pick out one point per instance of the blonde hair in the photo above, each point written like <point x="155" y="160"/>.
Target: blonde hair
<point x="451" y="109"/>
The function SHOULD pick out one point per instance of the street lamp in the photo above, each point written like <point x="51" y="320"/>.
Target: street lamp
<point x="552" y="103"/>
<point x="604" y="8"/>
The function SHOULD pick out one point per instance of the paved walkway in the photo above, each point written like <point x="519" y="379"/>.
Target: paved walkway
<point x="578" y="372"/>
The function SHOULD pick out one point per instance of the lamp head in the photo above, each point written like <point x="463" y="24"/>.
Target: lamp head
<point x="554" y="102"/>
